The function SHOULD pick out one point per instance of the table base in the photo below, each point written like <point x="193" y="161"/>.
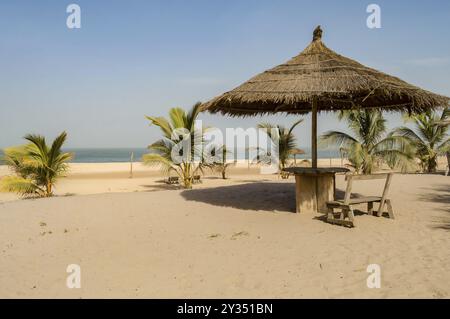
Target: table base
<point x="313" y="192"/>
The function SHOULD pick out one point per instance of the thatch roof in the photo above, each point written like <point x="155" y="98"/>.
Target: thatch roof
<point x="336" y="82"/>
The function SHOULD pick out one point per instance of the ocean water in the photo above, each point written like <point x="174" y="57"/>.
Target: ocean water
<point x="121" y="155"/>
<point x="106" y="155"/>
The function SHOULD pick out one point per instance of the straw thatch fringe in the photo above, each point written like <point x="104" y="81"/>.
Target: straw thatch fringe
<point x="335" y="81"/>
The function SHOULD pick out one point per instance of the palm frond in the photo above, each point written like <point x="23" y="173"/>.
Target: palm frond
<point x="192" y="116"/>
<point x="178" y="118"/>
<point x="159" y="161"/>
<point x="163" y="124"/>
<point x="294" y="126"/>
<point x="267" y="128"/>
<point x="444" y="147"/>
<point x="408" y="133"/>
<point x="20" y="185"/>
<point x="336" y="138"/>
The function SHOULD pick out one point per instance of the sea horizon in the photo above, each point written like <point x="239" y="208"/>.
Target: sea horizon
<point x="123" y="154"/>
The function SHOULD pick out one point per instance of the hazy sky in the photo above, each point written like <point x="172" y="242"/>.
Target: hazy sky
<point x="136" y="58"/>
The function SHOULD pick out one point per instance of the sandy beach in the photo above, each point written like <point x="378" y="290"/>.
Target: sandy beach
<point x="211" y="151"/>
<point x="138" y="237"/>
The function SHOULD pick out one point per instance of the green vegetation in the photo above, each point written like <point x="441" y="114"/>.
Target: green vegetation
<point x="429" y="138"/>
<point x="286" y="141"/>
<point x="167" y="153"/>
<point x="36" y="166"/>
<point x="369" y="145"/>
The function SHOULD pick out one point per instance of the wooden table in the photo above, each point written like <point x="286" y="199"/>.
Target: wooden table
<point x="314" y="187"/>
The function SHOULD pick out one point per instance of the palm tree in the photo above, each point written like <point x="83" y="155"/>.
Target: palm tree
<point x="287" y="144"/>
<point x="429" y="137"/>
<point x="181" y="148"/>
<point x="221" y="165"/>
<point x="370" y="145"/>
<point x="36" y="165"/>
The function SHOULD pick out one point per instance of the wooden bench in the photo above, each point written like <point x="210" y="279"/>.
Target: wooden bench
<point x="346" y="216"/>
<point x="172" y="180"/>
<point x="197" y="179"/>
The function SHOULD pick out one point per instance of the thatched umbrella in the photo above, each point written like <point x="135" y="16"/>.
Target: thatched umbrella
<point x="296" y="152"/>
<point x="319" y="79"/>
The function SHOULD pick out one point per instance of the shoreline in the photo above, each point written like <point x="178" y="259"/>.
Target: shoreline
<point x="139" y="168"/>
<point x="102" y="178"/>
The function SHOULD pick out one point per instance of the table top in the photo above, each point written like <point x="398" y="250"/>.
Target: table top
<point x="316" y="171"/>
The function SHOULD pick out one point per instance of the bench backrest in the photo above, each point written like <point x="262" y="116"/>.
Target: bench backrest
<point x="351" y="177"/>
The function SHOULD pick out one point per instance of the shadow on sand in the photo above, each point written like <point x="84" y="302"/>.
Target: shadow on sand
<point x="264" y="196"/>
<point x="440" y="194"/>
<point x="161" y="185"/>
<point x="251" y="196"/>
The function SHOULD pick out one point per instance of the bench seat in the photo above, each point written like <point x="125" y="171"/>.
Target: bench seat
<point x="355" y="201"/>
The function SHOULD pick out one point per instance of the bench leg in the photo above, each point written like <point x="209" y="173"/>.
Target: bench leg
<point x="370" y="208"/>
<point x="343" y="214"/>
<point x="381" y="208"/>
<point x="330" y="214"/>
<point x="348" y="213"/>
<point x="390" y="210"/>
<point x="351" y="217"/>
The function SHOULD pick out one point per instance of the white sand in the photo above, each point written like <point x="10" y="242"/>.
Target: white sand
<point x="233" y="238"/>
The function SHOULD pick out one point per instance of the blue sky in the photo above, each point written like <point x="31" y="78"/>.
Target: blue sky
<point x="136" y="58"/>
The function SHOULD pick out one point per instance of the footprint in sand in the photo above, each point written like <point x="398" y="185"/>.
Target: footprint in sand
<point x="239" y="234"/>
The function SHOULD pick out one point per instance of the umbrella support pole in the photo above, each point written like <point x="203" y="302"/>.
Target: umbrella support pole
<point x="314" y="133"/>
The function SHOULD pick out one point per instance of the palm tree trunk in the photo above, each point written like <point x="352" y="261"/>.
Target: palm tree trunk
<point x="187" y="178"/>
<point x="49" y="191"/>
<point x="432" y="165"/>
<point x="448" y="164"/>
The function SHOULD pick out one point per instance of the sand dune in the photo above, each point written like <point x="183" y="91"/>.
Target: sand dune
<point x="234" y="238"/>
